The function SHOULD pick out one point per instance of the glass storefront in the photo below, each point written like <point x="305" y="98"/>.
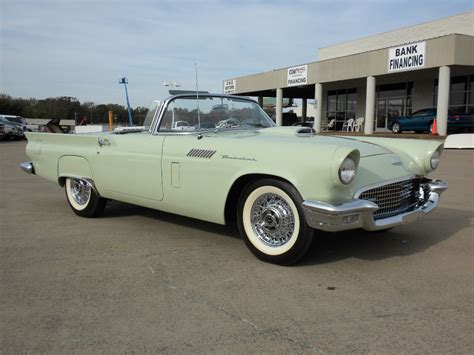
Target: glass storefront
<point x="393" y="101"/>
<point x="341" y="106"/>
<point x="461" y="95"/>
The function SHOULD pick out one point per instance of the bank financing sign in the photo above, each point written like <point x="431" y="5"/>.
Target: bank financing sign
<point x="407" y="57"/>
<point x="297" y="75"/>
<point x="229" y="86"/>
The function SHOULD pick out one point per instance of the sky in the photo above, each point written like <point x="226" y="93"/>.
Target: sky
<point x="81" y="48"/>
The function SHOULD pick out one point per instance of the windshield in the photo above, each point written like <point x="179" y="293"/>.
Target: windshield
<point x="155" y="105"/>
<point x="211" y="113"/>
<point x="16" y="119"/>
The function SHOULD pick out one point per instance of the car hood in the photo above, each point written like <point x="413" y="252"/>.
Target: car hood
<point x="303" y="135"/>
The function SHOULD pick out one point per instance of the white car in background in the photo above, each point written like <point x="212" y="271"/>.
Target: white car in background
<point x="11" y="130"/>
<point x="18" y="121"/>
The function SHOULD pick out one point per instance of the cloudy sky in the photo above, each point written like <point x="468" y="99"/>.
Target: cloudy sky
<point x="81" y="48"/>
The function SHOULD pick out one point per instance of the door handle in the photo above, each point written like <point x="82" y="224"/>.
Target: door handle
<point x="103" y="141"/>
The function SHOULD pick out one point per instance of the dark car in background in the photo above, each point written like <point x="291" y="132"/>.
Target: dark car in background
<point x="422" y="121"/>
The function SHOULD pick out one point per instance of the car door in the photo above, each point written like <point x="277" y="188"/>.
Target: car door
<point x="418" y="121"/>
<point x="128" y="166"/>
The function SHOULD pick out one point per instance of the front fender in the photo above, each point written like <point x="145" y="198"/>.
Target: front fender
<point x="414" y="153"/>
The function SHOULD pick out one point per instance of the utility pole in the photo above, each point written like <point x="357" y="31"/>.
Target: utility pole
<point x="124" y="81"/>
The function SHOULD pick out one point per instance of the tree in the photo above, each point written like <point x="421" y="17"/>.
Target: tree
<point x="67" y="107"/>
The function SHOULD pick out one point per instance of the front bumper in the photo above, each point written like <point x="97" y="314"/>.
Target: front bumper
<point x="359" y="213"/>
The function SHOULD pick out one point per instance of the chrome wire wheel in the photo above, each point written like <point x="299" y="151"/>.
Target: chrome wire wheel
<point x="270" y="220"/>
<point x="273" y="221"/>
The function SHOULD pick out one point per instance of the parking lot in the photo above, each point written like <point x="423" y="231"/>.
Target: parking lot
<point x="142" y="280"/>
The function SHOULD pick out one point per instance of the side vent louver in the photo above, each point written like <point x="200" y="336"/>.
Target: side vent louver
<point x="201" y="153"/>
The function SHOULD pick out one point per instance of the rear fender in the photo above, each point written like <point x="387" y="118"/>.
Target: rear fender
<point x="73" y="166"/>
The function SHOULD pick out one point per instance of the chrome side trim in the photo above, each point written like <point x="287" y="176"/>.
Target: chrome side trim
<point x="359" y="213"/>
<point x="27" y="167"/>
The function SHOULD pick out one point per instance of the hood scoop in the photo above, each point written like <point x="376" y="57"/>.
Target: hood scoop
<point x="305" y="132"/>
<point x="290" y="131"/>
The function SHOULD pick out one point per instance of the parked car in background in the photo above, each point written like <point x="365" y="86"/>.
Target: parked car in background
<point x="278" y="183"/>
<point x="17" y="121"/>
<point x="11" y="130"/>
<point x="422" y="121"/>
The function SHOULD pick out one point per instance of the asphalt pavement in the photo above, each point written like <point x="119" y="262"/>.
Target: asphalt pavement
<point x="139" y="280"/>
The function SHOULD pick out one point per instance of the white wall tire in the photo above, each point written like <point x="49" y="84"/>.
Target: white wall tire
<point x="83" y="199"/>
<point x="272" y="223"/>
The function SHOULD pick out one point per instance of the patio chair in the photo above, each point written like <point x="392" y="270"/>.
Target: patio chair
<point x="348" y="125"/>
<point x="359" y="124"/>
<point x="330" y="125"/>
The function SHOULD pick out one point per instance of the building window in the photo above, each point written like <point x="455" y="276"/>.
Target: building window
<point x="393" y="101"/>
<point x="341" y="106"/>
<point x="461" y="95"/>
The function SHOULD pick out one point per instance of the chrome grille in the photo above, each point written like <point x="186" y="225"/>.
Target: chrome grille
<point x="394" y="198"/>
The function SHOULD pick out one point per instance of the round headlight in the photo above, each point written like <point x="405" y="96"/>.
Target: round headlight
<point x="347" y="170"/>
<point x="434" y="161"/>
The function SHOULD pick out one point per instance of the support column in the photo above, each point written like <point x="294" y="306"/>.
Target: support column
<point x="318" y="102"/>
<point x="304" y="109"/>
<point x="369" y="106"/>
<point x="279" y="107"/>
<point x="260" y="101"/>
<point x="443" y="100"/>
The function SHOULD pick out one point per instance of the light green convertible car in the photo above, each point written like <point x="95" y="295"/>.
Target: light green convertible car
<point x="220" y="158"/>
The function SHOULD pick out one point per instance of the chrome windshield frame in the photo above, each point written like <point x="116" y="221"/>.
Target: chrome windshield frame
<point x="154" y="129"/>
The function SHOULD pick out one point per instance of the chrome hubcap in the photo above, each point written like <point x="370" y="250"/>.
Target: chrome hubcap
<point x="272" y="220"/>
<point x="80" y="191"/>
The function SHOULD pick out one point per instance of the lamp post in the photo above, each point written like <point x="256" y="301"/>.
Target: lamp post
<point x="172" y="84"/>
<point x="124" y="81"/>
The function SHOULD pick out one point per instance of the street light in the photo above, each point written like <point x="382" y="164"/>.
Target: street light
<point x="173" y="84"/>
<point x="124" y="81"/>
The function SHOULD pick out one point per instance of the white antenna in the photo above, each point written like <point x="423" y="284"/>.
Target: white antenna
<point x="197" y="94"/>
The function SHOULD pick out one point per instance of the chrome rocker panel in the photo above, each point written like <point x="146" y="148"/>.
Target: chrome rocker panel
<point x="359" y="213"/>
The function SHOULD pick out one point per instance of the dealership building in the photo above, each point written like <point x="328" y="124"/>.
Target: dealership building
<point x="375" y="79"/>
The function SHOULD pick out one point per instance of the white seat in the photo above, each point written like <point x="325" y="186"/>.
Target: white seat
<point x="348" y="125"/>
<point x="331" y="124"/>
<point x="359" y="123"/>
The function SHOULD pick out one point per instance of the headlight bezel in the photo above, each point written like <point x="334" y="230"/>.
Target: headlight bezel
<point x="348" y="169"/>
<point x="339" y="160"/>
<point x="432" y="159"/>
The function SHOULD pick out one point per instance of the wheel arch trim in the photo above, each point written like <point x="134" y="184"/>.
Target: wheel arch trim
<point x="89" y="181"/>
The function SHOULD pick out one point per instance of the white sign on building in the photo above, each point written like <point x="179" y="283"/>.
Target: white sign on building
<point x="407" y="57"/>
<point x="230" y="86"/>
<point x="297" y="75"/>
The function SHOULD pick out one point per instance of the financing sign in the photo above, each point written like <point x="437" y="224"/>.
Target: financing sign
<point x="407" y="57"/>
<point x="297" y="75"/>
